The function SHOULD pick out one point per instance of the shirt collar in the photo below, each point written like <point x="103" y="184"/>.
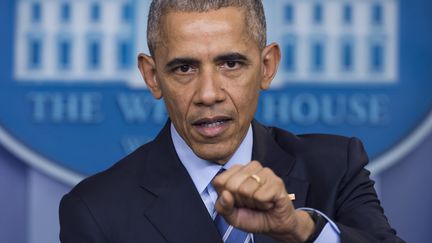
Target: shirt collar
<point x="202" y="171"/>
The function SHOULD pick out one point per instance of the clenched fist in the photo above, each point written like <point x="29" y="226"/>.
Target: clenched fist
<point x="254" y="199"/>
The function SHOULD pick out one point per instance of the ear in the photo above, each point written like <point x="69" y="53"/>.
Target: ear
<point x="147" y="68"/>
<point x="271" y="56"/>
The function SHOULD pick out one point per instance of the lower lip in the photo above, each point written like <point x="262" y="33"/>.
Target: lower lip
<point x="212" y="130"/>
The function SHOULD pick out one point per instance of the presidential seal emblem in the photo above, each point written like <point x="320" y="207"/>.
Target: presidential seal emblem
<point x="73" y="102"/>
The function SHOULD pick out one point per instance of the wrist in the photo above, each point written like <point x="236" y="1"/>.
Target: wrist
<point x="303" y="228"/>
<point x="319" y="222"/>
<point x="306" y="226"/>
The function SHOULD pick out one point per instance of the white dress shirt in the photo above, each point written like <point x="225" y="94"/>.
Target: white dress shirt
<point x="202" y="173"/>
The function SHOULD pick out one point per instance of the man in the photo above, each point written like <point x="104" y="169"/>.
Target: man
<point x="214" y="174"/>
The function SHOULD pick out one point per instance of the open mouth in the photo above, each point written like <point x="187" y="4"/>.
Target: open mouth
<point x="212" y="127"/>
<point x="211" y="122"/>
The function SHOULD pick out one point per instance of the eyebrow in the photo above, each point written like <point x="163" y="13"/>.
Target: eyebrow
<point x="235" y="56"/>
<point x="181" y="61"/>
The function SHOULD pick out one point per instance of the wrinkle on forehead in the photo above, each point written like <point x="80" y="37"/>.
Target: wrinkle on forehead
<point x="202" y="28"/>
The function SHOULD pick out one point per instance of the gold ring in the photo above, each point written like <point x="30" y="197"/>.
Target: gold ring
<point x="256" y="178"/>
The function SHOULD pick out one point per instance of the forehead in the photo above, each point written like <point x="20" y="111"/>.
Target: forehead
<point x="208" y="31"/>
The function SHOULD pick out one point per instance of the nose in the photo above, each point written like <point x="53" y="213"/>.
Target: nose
<point x="209" y="89"/>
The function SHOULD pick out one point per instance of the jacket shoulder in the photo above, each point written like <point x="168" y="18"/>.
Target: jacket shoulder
<point x="318" y="142"/>
<point x="322" y="150"/>
<point x="118" y="177"/>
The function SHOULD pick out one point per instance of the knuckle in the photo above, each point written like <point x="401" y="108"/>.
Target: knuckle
<point x="231" y="186"/>
<point x="263" y="196"/>
<point x="258" y="197"/>
<point x="217" y="181"/>
<point x="280" y="182"/>
<point x="236" y="166"/>
<point x="267" y="171"/>
<point x="243" y="190"/>
<point x="255" y="164"/>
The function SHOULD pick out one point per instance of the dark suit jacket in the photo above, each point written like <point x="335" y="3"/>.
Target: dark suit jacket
<point x="149" y="196"/>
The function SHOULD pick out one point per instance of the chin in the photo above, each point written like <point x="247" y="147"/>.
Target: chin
<point x="214" y="156"/>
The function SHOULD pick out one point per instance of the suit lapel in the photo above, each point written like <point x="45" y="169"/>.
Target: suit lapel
<point x="267" y="151"/>
<point x="177" y="210"/>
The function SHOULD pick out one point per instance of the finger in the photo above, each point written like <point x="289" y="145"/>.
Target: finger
<point x="242" y="176"/>
<point x="264" y="197"/>
<point x="270" y="193"/>
<point x="236" y="179"/>
<point x="225" y="203"/>
<point x="249" y="186"/>
<point x="262" y="190"/>
<point x="220" y="180"/>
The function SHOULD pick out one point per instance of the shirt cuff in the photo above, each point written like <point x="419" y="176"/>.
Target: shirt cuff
<point x="330" y="233"/>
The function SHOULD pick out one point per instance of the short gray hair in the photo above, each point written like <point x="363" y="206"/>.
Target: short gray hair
<point x="255" y="18"/>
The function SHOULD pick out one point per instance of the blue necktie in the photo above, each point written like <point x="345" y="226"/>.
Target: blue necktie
<point x="228" y="233"/>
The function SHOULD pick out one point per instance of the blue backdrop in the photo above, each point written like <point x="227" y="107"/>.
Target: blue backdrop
<point x="72" y="101"/>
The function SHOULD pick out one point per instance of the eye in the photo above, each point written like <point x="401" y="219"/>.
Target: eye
<point x="231" y="65"/>
<point x="184" y="69"/>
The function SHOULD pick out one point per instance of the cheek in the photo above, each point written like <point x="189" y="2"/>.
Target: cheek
<point x="243" y="85"/>
<point x="245" y="100"/>
<point x="176" y="105"/>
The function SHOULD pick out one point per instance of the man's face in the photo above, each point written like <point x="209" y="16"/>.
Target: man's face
<point x="209" y="70"/>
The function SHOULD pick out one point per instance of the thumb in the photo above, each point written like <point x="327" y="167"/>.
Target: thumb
<point x="225" y="203"/>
